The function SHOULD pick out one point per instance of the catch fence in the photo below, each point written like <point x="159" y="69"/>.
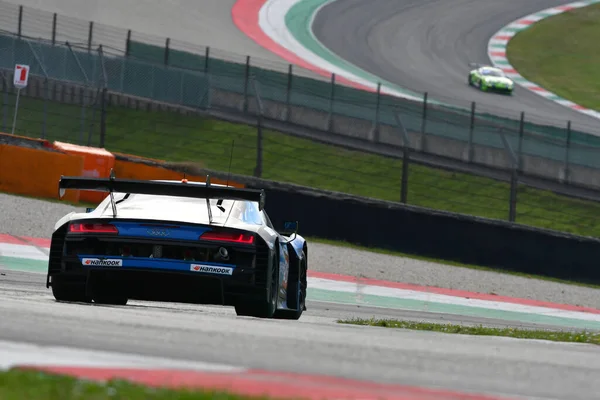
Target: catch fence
<point x="257" y="151"/>
<point x="80" y="68"/>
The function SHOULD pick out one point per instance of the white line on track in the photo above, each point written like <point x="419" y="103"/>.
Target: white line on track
<point x="13" y="354"/>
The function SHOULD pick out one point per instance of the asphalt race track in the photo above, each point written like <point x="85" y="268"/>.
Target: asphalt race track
<point x="315" y="344"/>
<point x="427" y="45"/>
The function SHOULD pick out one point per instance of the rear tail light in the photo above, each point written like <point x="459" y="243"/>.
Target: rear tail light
<point x="92" y="228"/>
<point x="243" y="238"/>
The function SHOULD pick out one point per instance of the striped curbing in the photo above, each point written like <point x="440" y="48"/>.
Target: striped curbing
<point x="104" y="366"/>
<point x="498" y="44"/>
<point x="284" y="27"/>
<point x="31" y="255"/>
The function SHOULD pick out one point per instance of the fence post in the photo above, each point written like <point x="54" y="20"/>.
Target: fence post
<point x="54" y="29"/>
<point x="405" y="165"/>
<point x="331" y="103"/>
<point x="103" y="118"/>
<point x="167" y="42"/>
<point x="514" y="166"/>
<point x="92" y="120"/>
<point x="424" y="123"/>
<point x="246" y="78"/>
<point x="81" y="115"/>
<point x="259" y="149"/>
<point x="377" y="105"/>
<point x="568" y="152"/>
<point x="514" y="182"/>
<point x="471" y="151"/>
<point x="206" y="59"/>
<point x="90" y="36"/>
<point x="521" y="129"/>
<point x="128" y="43"/>
<point x="46" y="100"/>
<point x="259" y="132"/>
<point x="5" y="102"/>
<point x="405" y="160"/>
<point x="288" y="98"/>
<point x="20" y="20"/>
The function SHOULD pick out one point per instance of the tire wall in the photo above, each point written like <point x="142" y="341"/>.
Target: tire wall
<point x="439" y="235"/>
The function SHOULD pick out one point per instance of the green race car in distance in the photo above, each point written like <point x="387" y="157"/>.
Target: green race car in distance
<point x="490" y="79"/>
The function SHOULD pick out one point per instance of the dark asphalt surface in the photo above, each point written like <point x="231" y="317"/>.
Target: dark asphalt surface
<point x="316" y="344"/>
<point x="427" y="45"/>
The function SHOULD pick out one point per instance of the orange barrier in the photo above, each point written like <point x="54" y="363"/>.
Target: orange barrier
<point x="36" y="172"/>
<point x="97" y="163"/>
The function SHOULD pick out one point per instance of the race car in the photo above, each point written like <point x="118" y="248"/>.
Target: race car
<point x="488" y="78"/>
<point x="178" y="241"/>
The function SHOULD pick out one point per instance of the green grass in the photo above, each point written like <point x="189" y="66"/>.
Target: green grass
<point x="557" y="336"/>
<point x="31" y="385"/>
<point x="561" y="54"/>
<point x="176" y="137"/>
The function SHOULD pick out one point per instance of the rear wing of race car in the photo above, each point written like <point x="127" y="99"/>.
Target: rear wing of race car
<point x="183" y="189"/>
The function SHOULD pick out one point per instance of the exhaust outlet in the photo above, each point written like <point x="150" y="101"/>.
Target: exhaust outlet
<point x="223" y="253"/>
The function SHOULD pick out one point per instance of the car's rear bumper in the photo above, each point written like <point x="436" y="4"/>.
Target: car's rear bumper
<point x="159" y="269"/>
<point x="155" y="284"/>
<point x="163" y="279"/>
<point x="497" y="89"/>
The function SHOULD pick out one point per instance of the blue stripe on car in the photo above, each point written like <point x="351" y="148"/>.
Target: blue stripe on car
<point x="152" y="263"/>
<point x="159" y="231"/>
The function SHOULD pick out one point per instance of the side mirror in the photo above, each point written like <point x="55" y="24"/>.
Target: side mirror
<point x="289" y="227"/>
<point x="89" y="209"/>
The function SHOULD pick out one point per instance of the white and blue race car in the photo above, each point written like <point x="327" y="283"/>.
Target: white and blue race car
<point x="191" y="242"/>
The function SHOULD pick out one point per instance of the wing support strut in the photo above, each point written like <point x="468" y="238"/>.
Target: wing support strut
<point x="210" y="219"/>
<point x="112" y="197"/>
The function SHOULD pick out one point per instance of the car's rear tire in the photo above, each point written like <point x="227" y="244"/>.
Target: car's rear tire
<point x="263" y="308"/>
<point x="111" y="300"/>
<point x="69" y="291"/>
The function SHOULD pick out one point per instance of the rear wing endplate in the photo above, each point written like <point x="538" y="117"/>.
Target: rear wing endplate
<point x="177" y="189"/>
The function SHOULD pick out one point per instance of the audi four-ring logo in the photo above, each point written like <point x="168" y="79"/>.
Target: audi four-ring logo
<point x="158" y="232"/>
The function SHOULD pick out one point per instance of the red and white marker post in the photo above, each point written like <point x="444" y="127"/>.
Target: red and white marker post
<point x="20" y="80"/>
